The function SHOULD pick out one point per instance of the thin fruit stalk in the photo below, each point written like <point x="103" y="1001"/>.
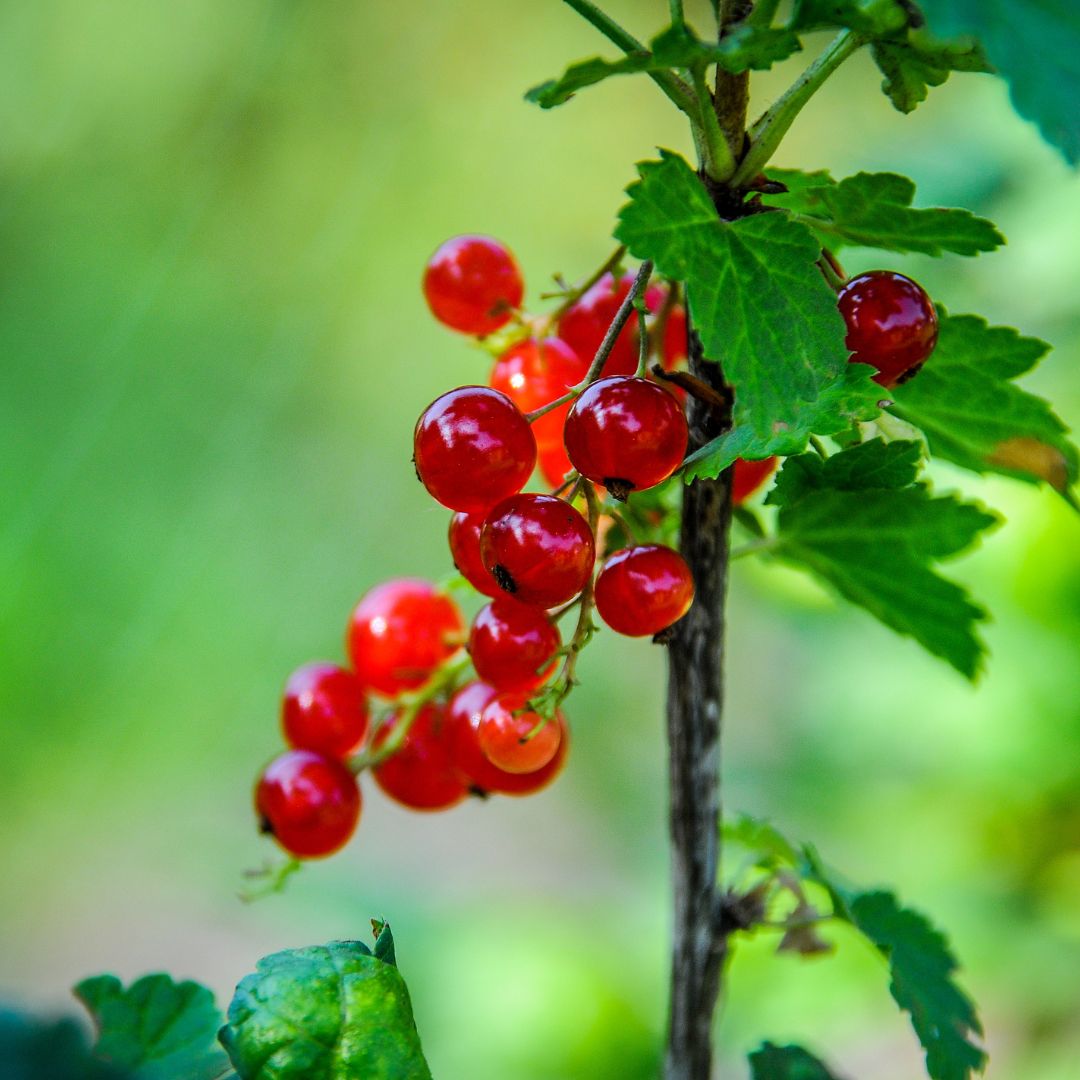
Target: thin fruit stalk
<point x="694" y="709"/>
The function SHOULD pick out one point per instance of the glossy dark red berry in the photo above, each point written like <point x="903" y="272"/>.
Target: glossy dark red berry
<point x="515" y="738"/>
<point x="750" y="476"/>
<point x="473" y="447"/>
<point x="626" y="433"/>
<point x="534" y="373"/>
<point x="513" y="645"/>
<point x="643" y="590"/>
<point x="308" y="802"/>
<point x="472" y="284"/>
<point x="585" y="323"/>
<point x="483" y="778"/>
<point x="891" y="324"/>
<point x="324" y="709"/>
<point x="400" y="632"/>
<point x="538" y="548"/>
<point x="420" y="774"/>
<point x="464" y="540"/>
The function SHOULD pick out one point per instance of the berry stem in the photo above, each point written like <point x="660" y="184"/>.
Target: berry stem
<point x="769" y="130"/>
<point x="643" y="337"/>
<point x="547" y="701"/>
<point x="597" y="366"/>
<point x="752" y="547"/>
<point x="668" y="81"/>
<point x="717" y="159"/>
<point x="407" y="710"/>
<point x="570" y="296"/>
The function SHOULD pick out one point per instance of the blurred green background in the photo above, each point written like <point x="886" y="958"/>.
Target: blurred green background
<point x="212" y="349"/>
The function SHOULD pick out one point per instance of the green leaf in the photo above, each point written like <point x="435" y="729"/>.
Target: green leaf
<point x="746" y="47"/>
<point x="770" y="1062"/>
<point x="333" y="1012"/>
<point x="1035" y="44"/>
<point x="756" y="295"/>
<point x="761" y="837"/>
<point x="874" y="210"/>
<point x="156" y="1029"/>
<point x="921" y="967"/>
<point x="33" y="1050"/>
<point x="871" y="18"/>
<point x="875" y="545"/>
<point x="971" y="412"/>
<point x="871" y="465"/>
<point x="850" y="398"/>
<point x="914" y="63"/>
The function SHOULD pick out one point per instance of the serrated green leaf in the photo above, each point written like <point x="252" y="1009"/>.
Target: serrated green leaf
<point x="921" y="966"/>
<point x="1035" y="44"/>
<point x="757" y="298"/>
<point x="746" y="47"/>
<point x="333" y="1012"/>
<point x="157" y="1029"/>
<point x="871" y="18"/>
<point x="875" y="546"/>
<point x="851" y="398"/>
<point x="871" y="465"/>
<point x="917" y="61"/>
<point x="34" y="1050"/>
<point x="874" y="210"/>
<point x="771" y="1062"/>
<point x="971" y="412"/>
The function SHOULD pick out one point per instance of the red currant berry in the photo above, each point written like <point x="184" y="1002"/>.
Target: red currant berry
<point x="673" y="349"/>
<point x="465" y="551"/>
<point x="473" y="447"/>
<point x="749" y="476"/>
<point x="400" y="632"/>
<point x="324" y="709"/>
<point x="510" y="643"/>
<point x="538" y="548"/>
<point x="308" y="802"/>
<point x="534" y="373"/>
<point x="643" y="590"/>
<point x="585" y="323"/>
<point x="463" y="720"/>
<point x="516" y="739"/>
<point x="553" y="461"/>
<point x="891" y="324"/>
<point x="626" y="433"/>
<point x="419" y="774"/>
<point x="473" y="285"/>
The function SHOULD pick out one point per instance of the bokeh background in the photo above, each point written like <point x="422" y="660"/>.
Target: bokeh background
<point x="213" y="346"/>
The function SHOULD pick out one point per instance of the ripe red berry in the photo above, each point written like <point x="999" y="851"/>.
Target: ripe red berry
<point x="534" y="373"/>
<point x="643" y="590"/>
<point x="473" y="285"/>
<point x="748" y="476"/>
<point x="463" y="721"/>
<point x="400" y="632"/>
<point x="310" y="803"/>
<point x="553" y="461"/>
<point x="473" y="447"/>
<point x="465" y="551"/>
<point x="324" y="709"/>
<point x="538" y="548"/>
<point x="419" y="774"/>
<point x="515" y="738"/>
<point x="891" y="324"/>
<point x="585" y="323"/>
<point x="510" y="643"/>
<point x="673" y="350"/>
<point x="626" y="433"/>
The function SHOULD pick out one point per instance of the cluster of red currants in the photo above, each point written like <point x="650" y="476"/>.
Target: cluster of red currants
<point x="597" y="429"/>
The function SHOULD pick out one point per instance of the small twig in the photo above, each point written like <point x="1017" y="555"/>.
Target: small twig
<point x="408" y="708"/>
<point x="694" y="386"/>
<point x="819" y="448"/>
<point x="573" y="294"/>
<point x="613" y="331"/>
<point x="769" y="130"/>
<point x="671" y="84"/>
